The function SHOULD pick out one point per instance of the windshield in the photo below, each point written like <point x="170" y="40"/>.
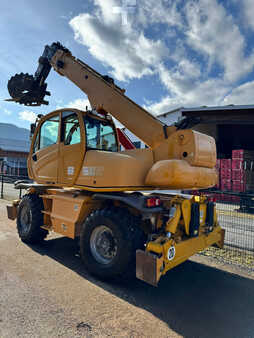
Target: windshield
<point x="100" y="135"/>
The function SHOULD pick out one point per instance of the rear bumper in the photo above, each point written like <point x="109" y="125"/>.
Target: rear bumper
<point x="161" y="257"/>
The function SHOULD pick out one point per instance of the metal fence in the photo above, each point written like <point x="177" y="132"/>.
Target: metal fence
<point x="236" y="215"/>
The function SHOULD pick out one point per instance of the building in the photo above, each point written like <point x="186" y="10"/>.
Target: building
<point x="14" y="149"/>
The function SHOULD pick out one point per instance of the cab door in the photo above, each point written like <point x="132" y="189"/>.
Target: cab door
<point x="43" y="158"/>
<point x="72" y="147"/>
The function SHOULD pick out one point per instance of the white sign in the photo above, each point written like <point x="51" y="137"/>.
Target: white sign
<point x="70" y="170"/>
<point x="171" y="253"/>
<point x="93" y="171"/>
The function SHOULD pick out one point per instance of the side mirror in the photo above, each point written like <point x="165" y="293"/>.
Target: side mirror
<point x="32" y="129"/>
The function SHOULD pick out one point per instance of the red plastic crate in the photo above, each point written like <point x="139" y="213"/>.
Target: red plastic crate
<point x="238" y="174"/>
<point x="218" y="164"/>
<point x="237" y="164"/>
<point x="238" y="186"/>
<point x="225" y="174"/>
<point x="225" y="163"/>
<point x="237" y="154"/>
<point x="225" y="184"/>
<point x="242" y="154"/>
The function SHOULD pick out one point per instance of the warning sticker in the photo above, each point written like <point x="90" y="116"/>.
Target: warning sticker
<point x="70" y="170"/>
<point x="93" y="171"/>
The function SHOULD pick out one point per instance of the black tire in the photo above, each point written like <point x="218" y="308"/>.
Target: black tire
<point x="30" y="219"/>
<point x="128" y="237"/>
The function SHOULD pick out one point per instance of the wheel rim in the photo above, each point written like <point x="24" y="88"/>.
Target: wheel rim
<point x="103" y="244"/>
<point x="25" y="219"/>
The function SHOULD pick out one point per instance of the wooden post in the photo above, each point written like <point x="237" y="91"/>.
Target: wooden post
<point x="2" y="186"/>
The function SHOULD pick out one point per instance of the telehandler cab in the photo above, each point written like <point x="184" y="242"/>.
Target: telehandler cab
<point x="86" y="188"/>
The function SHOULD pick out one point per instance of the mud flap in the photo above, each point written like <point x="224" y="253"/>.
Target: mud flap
<point x="220" y="243"/>
<point x="12" y="212"/>
<point x="148" y="267"/>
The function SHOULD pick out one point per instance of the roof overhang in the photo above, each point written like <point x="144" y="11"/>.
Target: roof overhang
<point x="222" y="114"/>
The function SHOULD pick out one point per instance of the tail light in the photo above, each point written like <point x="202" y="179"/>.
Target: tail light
<point x="153" y="202"/>
<point x="211" y="199"/>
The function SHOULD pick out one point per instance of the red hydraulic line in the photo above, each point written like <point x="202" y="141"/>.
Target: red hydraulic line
<point x="124" y="140"/>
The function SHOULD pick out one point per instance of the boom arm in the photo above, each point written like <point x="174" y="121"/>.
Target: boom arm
<point x="102" y="93"/>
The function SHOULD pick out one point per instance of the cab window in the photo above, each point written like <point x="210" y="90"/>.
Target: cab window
<point x="48" y="134"/>
<point x="100" y="135"/>
<point x="70" y="128"/>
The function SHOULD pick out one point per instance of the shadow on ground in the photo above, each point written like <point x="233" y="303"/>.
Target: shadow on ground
<point x="194" y="300"/>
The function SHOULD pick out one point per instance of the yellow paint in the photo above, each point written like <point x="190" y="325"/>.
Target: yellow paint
<point x="173" y="223"/>
<point x="64" y="212"/>
<point x="176" y="159"/>
<point x="184" y="249"/>
<point x="186" y="212"/>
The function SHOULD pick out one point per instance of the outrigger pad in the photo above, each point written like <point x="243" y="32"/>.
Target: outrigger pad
<point x="148" y="267"/>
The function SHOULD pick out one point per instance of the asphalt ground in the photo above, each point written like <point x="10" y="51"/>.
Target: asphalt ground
<point x="46" y="292"/>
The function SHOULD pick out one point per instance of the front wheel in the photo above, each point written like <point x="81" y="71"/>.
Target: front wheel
<point x="30" y="219"/>
<point x="108" y="243"/>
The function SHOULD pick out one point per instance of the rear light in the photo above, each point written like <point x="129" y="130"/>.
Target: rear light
<point x="211" y="199"/>
<point x="153" y="202"/>
<point x="196" y="199"/>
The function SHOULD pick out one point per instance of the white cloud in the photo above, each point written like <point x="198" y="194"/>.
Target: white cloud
<point x="27" y="116"/>
<point x="185" y="91"/>
<point x="181" y="79"/>
<point x="165" y="105"/>
<point x="106" y="10"/>
<point x="213" y="32"/>
<point x="242" y="95"/>
<point x="248" y="9"/>
<point x="159" y="11"/>
<point x="7" y="112"/>
<point x="127" y="51"/>
<point x="198" y="55"/>
<point x="80" y="104"/>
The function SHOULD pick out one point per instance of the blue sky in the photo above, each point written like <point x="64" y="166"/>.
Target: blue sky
<point x="166" y="53"/>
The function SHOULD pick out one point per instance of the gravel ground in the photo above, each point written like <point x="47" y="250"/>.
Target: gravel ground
<point x="46" y="292"/>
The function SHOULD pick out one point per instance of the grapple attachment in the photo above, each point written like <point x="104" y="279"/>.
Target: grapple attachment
<point x="30" y="90"/>
<point x="25" y="89"/>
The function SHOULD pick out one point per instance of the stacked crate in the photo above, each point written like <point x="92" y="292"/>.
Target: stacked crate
<point x="225" y="174"/>
<point x="242" y="170"/>
<point x="235" y="174"/>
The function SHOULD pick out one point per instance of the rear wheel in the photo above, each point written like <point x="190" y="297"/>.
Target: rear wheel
<point x="30" y="219"/>
<point x="108" y="243"/>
